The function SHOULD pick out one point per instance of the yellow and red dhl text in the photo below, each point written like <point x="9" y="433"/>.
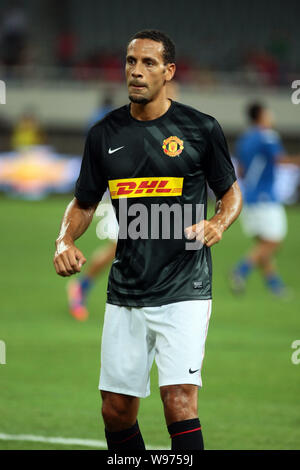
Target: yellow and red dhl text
<point x="145" y="187"/>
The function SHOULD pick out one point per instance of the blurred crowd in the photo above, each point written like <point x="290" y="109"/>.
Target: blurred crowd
<point x="268" y="65"/>
<point x="14" y="36"/>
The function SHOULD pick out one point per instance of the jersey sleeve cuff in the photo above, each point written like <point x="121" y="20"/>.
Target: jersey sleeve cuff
<point x="223" y="184"/>
<point x="87" y="196"/>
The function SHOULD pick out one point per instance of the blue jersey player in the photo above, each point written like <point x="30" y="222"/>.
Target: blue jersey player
<point x="258" y="151"/>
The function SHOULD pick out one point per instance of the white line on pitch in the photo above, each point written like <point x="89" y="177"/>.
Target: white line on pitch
<point x="71" y="441"/>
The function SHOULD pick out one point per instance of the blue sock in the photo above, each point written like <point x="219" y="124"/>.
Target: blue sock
<point x="244" y="268"/>
<point x="86" y="283"/>
<point x="274" y="283"/>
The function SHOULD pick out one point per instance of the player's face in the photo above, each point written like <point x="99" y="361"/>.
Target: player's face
<point x="146" y="72"/>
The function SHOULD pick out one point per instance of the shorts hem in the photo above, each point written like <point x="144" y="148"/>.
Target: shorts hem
<point x="163" y="383"/>
<point x="123" y="391"/>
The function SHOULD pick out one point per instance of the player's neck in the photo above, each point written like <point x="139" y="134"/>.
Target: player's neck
<point x="152" y="110"/>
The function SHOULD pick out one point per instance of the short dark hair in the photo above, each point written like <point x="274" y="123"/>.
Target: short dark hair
<point x="158" y="36"/>
<point x="254" y="110"/>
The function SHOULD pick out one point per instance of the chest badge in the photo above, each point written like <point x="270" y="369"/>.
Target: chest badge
<point x="172" y="146"/>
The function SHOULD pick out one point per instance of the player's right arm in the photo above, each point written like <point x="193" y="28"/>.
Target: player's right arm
<point x="89" y="190"/>
<point x="68" y="259"/>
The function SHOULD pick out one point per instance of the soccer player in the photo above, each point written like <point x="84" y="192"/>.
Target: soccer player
<point x="27" y="132"/>
<point x="258" y="150"/>
<point x="153" y="153"/>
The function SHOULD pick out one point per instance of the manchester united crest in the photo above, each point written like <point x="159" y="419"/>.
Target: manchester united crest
<point x="172" y="146"/>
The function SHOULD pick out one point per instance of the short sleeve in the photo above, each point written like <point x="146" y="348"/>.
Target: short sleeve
<point x="92" y="182"/>
<point x="272" y="144"/>
<point x="219" y="169"/>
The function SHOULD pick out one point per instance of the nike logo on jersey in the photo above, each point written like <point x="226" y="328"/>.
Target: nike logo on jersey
<point x="110" y="151"/>
<point x="193" y="371"/>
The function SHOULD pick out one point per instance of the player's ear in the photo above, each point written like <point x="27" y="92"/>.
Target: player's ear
<point x="170" y="71"/>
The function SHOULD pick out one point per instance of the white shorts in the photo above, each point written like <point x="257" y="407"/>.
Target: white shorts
<point x="266" y="220"/>
<point x="173" y="334"/>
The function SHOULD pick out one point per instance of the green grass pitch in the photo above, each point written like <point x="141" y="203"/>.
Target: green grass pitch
<point x="250" y="394"/>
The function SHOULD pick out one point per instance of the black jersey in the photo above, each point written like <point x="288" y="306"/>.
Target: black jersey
<point x="166" y="163"/>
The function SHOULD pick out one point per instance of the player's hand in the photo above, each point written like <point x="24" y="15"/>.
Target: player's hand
<point x="68" y="259"/>
<point x="208" y="232"/>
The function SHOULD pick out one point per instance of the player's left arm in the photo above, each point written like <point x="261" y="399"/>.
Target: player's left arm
<point x="228" y="208"/>
<point x="221" y="177"/>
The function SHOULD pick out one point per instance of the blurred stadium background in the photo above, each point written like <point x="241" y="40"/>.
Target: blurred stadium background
<point x="62" y="63"/>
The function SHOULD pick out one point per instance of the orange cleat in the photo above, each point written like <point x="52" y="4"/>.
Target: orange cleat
<point x="76" y="302"/>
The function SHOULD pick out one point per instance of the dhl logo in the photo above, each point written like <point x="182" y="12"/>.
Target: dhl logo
<point x="145" y="187"/>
